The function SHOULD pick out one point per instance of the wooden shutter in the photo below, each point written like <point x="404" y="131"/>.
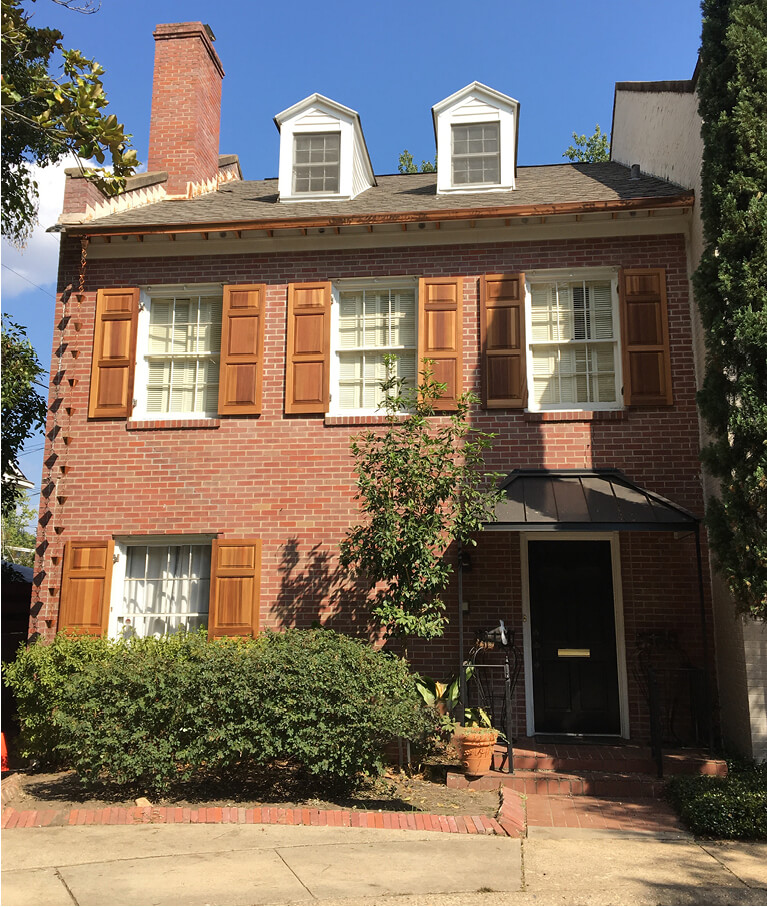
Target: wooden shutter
<point x="114" y="354"/>
<point x="502" y="329"/>
<point x="86" y="586"/>
<point x="307" y="378"/>
<point x="644" y="334"/>
<point x="440" y="333"/>
<point x="235" y="580"/>
<point x="242" y="350"/>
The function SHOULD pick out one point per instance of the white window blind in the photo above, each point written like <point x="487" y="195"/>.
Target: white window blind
<point x="316" y="162"/>
<point x="476" y="154"/>
<point x="373" y="323"/>
<point x="166" y="589"/>
<point x="183" y="351"/>
<point x="573" y="343"/>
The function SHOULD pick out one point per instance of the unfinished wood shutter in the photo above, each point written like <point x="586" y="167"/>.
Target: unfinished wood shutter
<point x="85" y="587"/>
<point x="644" y="334"/>
<point x="307" y="378"/>
<point x="440" y="333"/>
<point x="114" y="354"/>
<point x="502" y="331"/>
<point x="242" y="350"/>
<point x="235" y="580"/>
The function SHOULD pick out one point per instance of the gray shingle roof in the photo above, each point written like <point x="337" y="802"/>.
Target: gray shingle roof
<point x="257" y="200"/>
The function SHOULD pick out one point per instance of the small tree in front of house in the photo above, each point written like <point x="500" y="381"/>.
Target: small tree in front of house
<point x="421" y="486"/>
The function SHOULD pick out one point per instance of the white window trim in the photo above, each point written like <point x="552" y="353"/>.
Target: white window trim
<point x="340" y="286"/>
<point x="562" y="275"/>
<point x="121" y="560"/>
<point x="620" y="632"/>
<point x="141" y="376"/>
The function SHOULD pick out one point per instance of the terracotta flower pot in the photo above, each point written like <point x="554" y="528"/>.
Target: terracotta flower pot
<point x="476" y="748"/>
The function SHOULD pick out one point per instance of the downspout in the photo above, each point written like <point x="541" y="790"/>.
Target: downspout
<point x="461" y="665"/>
<point x="704" y="640"/>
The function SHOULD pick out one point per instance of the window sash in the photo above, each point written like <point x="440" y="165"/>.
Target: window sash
<point x="573" y="344"/>
<point x="476" y="156"/>
<point x="183" y="354"/>
<point x="316" y="162"/>
<point x="373" y="322"/>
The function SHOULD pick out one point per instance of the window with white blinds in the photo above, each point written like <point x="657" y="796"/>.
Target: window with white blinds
<point x="182" y="354"/>
<point x="166" y="589"/>
<point x="372" y="323"/>
<point x="573" y="343"/>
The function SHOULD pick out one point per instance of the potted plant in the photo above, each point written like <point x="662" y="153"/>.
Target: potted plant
<point x="476" y="745"/>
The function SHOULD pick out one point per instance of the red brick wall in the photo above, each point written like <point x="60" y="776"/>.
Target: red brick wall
<point x="186" y="105"/>
<point x="289" y="480"/>
<point x="79" y="193"/>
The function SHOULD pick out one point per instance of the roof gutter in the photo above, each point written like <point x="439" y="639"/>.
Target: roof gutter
<point x="516" y="212"/>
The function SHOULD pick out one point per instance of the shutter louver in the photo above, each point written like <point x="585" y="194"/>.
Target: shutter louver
<point x="502" y="326"/>
<point x="644" y="333"/>
<point x="440" y="334"/>
<point x="307" y="375"/>
<point x="242" y="350"/>
<point x="86" y="586"/>
<point x="235" y="579"/>
<point x="114" y="354"/>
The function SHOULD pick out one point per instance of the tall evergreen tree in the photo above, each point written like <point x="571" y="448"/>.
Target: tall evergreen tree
<point x="731" y="288"/>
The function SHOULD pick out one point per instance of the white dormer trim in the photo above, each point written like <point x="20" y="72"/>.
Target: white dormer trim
<point x="318" y="114"/>
<point x="476" y="103"/>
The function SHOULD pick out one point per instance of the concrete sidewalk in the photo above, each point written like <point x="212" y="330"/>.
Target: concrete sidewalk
<point x="215" y="864"/>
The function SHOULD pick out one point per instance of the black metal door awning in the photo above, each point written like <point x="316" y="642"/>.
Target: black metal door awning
<point x="584" y="500"/>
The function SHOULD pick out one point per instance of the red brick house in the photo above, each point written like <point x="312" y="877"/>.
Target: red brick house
<point x="219" y="340"/>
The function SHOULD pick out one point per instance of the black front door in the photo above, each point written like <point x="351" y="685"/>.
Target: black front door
<point x="572" y="616"/>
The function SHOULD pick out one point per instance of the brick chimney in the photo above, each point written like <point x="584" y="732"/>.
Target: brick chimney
<point x="186" y="105"/>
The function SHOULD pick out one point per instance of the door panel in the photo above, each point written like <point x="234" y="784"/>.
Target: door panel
<point x="572" y="616"/>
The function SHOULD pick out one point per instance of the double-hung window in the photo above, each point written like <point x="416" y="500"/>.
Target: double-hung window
<point x="372" y="322"/>
<point x="178" y="354"/>
<point x="476" y="154"/>
<point x="160" y="588"/>
<point x="573" y="355"/>
<point x="316" y="162"/>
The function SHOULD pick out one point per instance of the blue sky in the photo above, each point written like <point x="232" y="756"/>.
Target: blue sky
<point x="390" y="62"/>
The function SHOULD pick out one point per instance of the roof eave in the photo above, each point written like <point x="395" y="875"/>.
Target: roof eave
<point x="682" y="200"/>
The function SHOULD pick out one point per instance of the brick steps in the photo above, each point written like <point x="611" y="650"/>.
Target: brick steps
<point x="583" y="784"/>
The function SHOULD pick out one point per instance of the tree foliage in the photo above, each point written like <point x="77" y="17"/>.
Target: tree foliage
<point x="421" y="486"/>
<point x="46" y="117"/>
<point x="590" y="149"/>
<point x="731" y="288"/>
<point x="23" y="408"/>
<point x="408" y="165"/>
<point x="15" y="533"/>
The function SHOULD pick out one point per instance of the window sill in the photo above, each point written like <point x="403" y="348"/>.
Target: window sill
<point x="599" y="415"/>
<point x="170" y="424"/>
<point x="355" y="420"/>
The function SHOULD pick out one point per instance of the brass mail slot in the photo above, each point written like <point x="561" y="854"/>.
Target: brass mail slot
<point x="574" y="653"/>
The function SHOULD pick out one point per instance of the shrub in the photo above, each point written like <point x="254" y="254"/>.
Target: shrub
<point x="731" y="807"/>
<point x="149" y="713"/>
<point x="37" y="678"/>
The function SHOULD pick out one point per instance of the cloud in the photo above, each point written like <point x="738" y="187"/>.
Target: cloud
<point x="38" y="260"/>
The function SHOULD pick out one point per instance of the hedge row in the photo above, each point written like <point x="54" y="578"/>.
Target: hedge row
<point x="148" y="713"/>
<point x="731" y="807"/>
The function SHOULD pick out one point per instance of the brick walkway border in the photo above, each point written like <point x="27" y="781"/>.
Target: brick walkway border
<point x="335" y="818"/>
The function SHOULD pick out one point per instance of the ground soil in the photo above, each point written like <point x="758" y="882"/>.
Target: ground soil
<point x="397" y="790"/>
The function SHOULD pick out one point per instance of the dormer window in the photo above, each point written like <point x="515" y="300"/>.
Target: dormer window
<point x="476" y="155"/>
<point x="476" y="132"/>
<point x="316" y="162"/>
<point x="323" y="155"/>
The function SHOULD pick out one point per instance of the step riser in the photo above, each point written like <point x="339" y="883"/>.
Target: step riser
<point x="562" y="787"/>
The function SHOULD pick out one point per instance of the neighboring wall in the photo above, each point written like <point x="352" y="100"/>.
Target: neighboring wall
<point x="657" y="125"/>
